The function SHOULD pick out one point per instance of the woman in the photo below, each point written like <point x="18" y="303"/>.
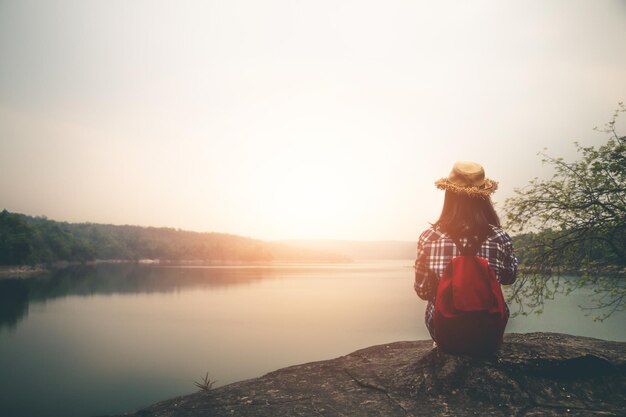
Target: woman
<point x="467" y="218"/>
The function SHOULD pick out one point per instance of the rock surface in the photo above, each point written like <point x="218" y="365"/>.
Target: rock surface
<point x="535" y="374"/>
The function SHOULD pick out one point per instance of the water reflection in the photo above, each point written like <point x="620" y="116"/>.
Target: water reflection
<point x="109" y="279"/>
<point x="13" y="302"/>
<point x="17" y="294"/>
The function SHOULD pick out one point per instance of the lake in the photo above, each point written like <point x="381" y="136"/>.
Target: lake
<point x="115" y="338"/>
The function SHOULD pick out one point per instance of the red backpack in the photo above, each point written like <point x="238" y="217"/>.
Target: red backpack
<point x="470" y="313"/>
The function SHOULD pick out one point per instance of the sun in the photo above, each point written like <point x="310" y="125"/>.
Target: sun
<point x="316" y="197"/>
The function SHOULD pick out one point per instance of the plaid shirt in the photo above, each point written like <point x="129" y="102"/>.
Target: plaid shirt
<point x="435" y="250"/>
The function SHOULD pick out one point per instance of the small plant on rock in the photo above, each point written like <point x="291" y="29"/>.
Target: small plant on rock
<point x="205" y="384"/>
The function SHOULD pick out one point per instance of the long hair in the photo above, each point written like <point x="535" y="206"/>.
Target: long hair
<point x="465" y="216"/>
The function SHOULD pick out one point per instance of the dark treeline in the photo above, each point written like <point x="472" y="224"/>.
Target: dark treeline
<point x="566" y="251"/>
<point x="17" y="294"/>
<point x="27" y="240"/>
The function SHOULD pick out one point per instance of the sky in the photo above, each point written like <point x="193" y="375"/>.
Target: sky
<point x="285" y="119"/>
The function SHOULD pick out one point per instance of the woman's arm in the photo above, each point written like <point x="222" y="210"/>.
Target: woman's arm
<point x="425" y="283"/>
<point x="509" y="272"/>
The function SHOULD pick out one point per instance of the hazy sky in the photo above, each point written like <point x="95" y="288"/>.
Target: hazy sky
<point x="292" y="119"/>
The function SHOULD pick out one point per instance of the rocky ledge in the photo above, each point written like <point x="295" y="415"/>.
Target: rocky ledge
<point x="535" y="374"/>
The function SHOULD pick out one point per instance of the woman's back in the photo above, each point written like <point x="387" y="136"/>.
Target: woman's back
<point x="435" y="250"/>
<point x="467" y="219"/>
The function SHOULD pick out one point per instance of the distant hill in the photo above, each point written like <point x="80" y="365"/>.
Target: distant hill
<point x="27" y="240"/>
<point x="392" y="249"/>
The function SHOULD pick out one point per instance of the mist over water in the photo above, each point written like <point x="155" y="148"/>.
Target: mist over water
<point x="114" y="338"/>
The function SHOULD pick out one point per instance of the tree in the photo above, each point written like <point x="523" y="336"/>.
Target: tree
<point x="575" y="224"/>
<point x="15" y="239"/>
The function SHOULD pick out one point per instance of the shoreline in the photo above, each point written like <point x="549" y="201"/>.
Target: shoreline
<point x="29" y="271"/>
<point x="21" y="271"/>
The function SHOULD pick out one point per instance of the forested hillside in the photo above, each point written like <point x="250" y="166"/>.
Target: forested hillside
<point x="27" y="240"/>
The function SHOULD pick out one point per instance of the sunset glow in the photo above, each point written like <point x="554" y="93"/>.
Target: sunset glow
<point x="285" y="120"/>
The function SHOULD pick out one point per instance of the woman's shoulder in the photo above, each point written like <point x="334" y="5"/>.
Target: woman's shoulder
<point x="431" y="234"/>
<point x="499" y="234"/>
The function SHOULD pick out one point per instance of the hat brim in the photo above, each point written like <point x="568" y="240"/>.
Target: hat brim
<point x="489" y="187"/>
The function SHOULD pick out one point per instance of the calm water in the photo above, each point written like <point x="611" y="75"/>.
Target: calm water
<point x="112" y="339"/>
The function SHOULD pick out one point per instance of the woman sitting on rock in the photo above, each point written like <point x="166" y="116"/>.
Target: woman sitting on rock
<point x="461" y="261"/>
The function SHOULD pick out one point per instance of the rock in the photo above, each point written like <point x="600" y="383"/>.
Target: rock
<point x="536" y="374"/>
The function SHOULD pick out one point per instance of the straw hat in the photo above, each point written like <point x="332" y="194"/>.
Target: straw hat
<point x="468" y="178"/>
